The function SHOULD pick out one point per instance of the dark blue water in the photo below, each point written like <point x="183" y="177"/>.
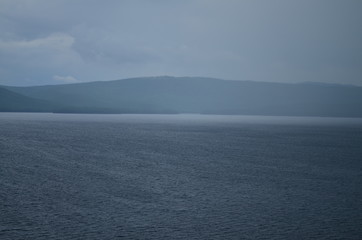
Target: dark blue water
<point x="179" y="177"/>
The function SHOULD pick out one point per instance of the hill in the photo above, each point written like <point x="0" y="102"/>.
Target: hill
<point x="200" y="95"/>
<point x="14" y="102"/>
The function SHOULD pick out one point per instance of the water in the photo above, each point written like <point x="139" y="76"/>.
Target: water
<point x="179" y="177"/>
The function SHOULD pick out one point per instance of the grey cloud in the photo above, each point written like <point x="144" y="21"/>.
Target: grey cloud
<point x="278" y="40"/>
<point x="65" y="79"/>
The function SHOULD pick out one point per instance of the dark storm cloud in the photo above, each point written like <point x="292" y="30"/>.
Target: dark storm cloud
<point x="61" y="40"/>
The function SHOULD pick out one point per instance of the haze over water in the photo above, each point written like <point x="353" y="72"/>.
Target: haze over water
<point x="69" y="176"/>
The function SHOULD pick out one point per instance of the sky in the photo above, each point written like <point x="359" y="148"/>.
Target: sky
<point x="69" y="41"/>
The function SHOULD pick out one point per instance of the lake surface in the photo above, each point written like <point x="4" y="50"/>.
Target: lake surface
<point x="69" y="176"/>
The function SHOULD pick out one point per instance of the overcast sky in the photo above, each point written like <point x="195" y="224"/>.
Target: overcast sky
<point x="66" y="41"/>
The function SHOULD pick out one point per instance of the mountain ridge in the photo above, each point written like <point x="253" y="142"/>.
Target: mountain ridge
<point x="167" y="94"/>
